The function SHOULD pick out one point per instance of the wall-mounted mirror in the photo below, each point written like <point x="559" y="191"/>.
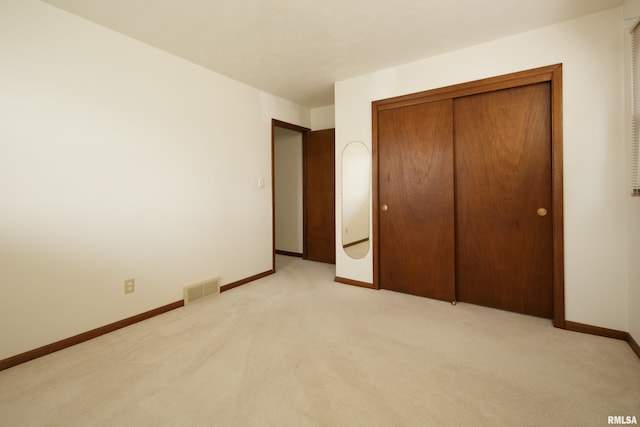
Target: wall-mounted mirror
<point x="356" y="199"/>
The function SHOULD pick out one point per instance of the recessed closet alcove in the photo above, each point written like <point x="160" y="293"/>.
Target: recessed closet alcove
<point x="468" y="193"/>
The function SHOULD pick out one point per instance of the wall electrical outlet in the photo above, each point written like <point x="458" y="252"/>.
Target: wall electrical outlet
<point x="129" y="286"/>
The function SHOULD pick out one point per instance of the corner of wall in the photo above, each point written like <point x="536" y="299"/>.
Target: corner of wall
<point x="323" y="117"/>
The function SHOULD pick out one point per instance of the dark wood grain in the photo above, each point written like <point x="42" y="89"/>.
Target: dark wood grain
<point x="416" y="233"/>
<point x="504" y="249"/>
<point x="551" y="74"/>
<point x="558" y="196"/>
<point x="319" y="198"/>
<point x="375" y="195"/>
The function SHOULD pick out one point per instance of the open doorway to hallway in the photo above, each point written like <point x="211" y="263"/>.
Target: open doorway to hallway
<point x="303" y="176"/>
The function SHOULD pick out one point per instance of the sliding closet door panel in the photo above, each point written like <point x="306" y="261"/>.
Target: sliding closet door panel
<point x="416" y="216"/>
<point x="503" y="200"/>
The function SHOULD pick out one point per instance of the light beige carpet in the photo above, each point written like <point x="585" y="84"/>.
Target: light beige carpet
<point x="297" y="349"/>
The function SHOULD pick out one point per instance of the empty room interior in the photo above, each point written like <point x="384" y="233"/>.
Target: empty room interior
<point x="282" y="212"/>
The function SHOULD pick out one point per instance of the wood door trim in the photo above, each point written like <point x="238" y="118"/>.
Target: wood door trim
<point x="290" y="126"/>
<point x="375" y="198"/>
<point x="305" y="215"/>
<point x="557" y="198"/>
<point x="303" y="130"/>
<point x="536" y="75"/>
<point x="552" y="74"/>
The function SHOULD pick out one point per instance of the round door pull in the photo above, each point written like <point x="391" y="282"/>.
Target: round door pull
<point x="542" y="212"/>
<point x="385" y="208"/>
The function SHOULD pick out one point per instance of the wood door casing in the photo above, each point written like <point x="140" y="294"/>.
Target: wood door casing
<point x="415" y="170"/>
<point x="504" y="249"/>
<point x="319" y="196"/>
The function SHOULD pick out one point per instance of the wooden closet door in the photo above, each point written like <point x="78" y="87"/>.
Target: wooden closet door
<point x="415" y="187"/>
<point x="504" y="256"/>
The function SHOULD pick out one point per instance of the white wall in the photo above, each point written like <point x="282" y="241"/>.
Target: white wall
<point x="632" y="10"/>
<point x="596" y="202"/>
<point x="118" y="160"/>
<point x="288" y="187"/>
<point x="323" y="117"/>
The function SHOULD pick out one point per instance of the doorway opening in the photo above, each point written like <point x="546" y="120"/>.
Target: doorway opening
<point x="287" y="177"/>
<point x="303" y="192"/>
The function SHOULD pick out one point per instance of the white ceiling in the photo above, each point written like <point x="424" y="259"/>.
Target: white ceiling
<point x="297" y="49"/>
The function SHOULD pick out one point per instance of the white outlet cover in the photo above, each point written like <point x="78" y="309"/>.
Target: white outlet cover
<point x="129" y="286"/>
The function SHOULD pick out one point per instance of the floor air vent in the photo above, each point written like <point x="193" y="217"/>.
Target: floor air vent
<point x="201" y="290"/>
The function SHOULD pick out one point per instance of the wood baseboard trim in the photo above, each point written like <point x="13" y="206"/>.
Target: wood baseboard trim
<point x="595" y="330"/>
<point x="355" y="283"/>
<point x="85" y="336"/>
<point x="604" y="332"/>
<point x="245" y="281"/>
<point x="634" y="345"/>
<point x="287" y="253"/>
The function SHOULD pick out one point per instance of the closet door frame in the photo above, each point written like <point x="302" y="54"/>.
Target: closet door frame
<point x="551" y="74"/>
